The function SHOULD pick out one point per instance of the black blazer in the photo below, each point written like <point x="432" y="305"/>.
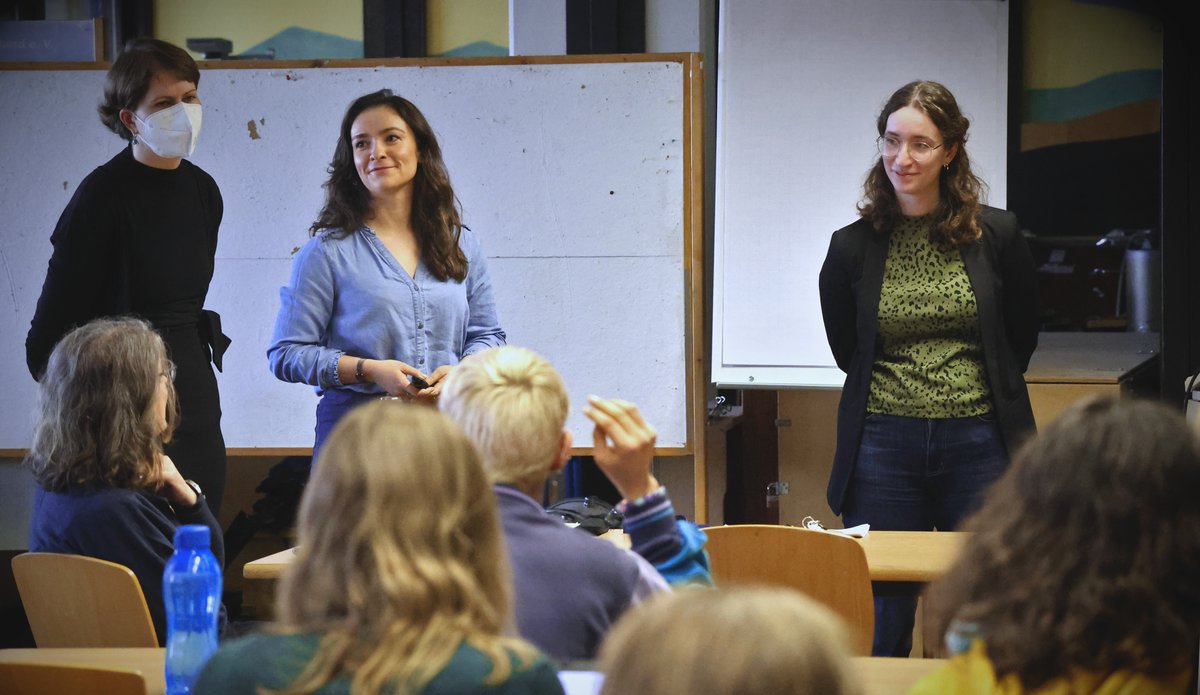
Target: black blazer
<point x="1004" y="280"/>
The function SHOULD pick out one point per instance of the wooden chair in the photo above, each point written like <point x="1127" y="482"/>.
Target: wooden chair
<point x="18" y="678"/>
<point x="16" y="633"/>
<point x="77" y="601"/>
<point x="831" y="569"/>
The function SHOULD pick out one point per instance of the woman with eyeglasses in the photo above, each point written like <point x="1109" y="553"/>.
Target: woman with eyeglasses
<point x="139" y="237"/>
<point x="106" y="406"/>
<point x="930" y="307"/>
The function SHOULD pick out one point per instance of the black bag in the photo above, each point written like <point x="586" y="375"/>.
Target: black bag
<point x="591" y="514"/>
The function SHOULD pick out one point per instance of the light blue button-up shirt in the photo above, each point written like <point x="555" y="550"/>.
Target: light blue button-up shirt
<point x="350" y="296"/>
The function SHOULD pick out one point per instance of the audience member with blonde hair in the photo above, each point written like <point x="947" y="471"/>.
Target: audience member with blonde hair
<point x="1083" y="574"/>
<point x="400" y="583"/>
<point x="570" y="586"/>
<point x="745" y="640"/>
<point x="106" y="406"/>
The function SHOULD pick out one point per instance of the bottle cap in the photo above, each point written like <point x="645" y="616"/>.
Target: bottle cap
<point x="192" y="536"/>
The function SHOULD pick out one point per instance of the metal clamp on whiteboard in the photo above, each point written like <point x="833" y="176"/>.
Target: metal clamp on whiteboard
<point x="726" y="404"/>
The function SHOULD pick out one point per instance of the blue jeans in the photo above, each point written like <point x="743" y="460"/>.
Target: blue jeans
<point x="918" y="474"/>
<point x="334" y="404"/>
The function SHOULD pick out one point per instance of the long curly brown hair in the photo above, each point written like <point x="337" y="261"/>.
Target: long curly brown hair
<point x="1086" y="553"/>
<point x="953" y="222"/>
<point x="435" y="214"/>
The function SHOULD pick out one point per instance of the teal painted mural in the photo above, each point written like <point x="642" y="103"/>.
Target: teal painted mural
<point x="298" y="43"/>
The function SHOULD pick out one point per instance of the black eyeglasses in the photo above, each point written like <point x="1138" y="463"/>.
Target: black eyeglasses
<point x="169" y="372"/>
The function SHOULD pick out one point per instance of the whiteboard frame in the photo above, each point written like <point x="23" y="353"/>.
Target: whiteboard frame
<point x="691" y="92"/>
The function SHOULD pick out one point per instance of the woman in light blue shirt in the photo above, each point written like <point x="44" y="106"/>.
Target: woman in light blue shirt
<point x="391" y="291"/>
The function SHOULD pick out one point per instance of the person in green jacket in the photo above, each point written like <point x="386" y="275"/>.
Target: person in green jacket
<point x="1083" y="571"/>
<point x="400" y="583"/>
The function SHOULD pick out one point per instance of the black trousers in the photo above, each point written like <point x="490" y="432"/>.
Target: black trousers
<point x="198" y="447"/>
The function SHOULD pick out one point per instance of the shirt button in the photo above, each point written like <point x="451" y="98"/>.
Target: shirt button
<point x="421" y="360"/>
<point x="420" y="325"/>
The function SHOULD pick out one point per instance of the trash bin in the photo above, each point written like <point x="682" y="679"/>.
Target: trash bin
<point x="1143" y="283"/>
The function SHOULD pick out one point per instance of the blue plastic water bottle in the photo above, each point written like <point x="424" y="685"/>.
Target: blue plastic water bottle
<point x="192" y="595"/>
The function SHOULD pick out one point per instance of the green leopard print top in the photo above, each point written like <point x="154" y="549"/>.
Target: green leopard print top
<point x="928" y="362"/>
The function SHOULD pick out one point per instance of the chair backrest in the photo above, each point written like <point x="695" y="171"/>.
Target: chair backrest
<point x="831" y="569"/>
<point x="77" y="601"/>
<point x="53" y="679"/>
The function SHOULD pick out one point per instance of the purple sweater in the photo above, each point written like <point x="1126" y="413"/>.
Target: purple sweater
<point x="569" y="587"/>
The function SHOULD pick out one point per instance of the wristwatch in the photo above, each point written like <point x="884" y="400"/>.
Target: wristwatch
<point x="195" y="487"/>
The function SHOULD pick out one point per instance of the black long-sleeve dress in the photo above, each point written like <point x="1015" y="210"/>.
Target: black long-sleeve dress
<point x="136" y="240"/>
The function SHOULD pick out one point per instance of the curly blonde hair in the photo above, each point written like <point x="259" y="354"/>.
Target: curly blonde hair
<point x="92" y="428"/>
<point x="400" y="555"/>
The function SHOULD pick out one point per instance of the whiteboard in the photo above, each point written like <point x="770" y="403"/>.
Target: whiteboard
<point x="571" y="174"/>
<point x="799" y="86"/>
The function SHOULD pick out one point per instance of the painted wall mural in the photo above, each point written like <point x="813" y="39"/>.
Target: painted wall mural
<point x="1093" y="71"/>
<point x="284" y="29"/>
<point x="1091" y="102"/>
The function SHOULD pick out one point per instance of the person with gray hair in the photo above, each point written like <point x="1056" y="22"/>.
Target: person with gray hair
<point x="106" y="405"/>
<point x="569" y="586"/>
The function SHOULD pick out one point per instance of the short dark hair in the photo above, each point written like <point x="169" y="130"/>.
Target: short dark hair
<point x="435" y="216"/>
<point x="129" y="77"/>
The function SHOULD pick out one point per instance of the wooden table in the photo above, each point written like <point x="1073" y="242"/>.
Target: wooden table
<point x="269" y="567"/>
<point x="911" y="556"/>
<point x="148" y="661"/>
<point x="1069" y="366"/>
<point x="881" y="676"/>
<point x="892" y="556"/>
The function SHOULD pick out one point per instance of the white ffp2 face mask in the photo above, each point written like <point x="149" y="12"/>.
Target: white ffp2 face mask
<point x="173" y="131"/>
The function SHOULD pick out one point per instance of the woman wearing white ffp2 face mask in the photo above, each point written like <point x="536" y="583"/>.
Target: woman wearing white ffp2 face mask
<point x="172" y="132"/>
<point x="139" y="237"/>
<point x="164" y="124"/>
